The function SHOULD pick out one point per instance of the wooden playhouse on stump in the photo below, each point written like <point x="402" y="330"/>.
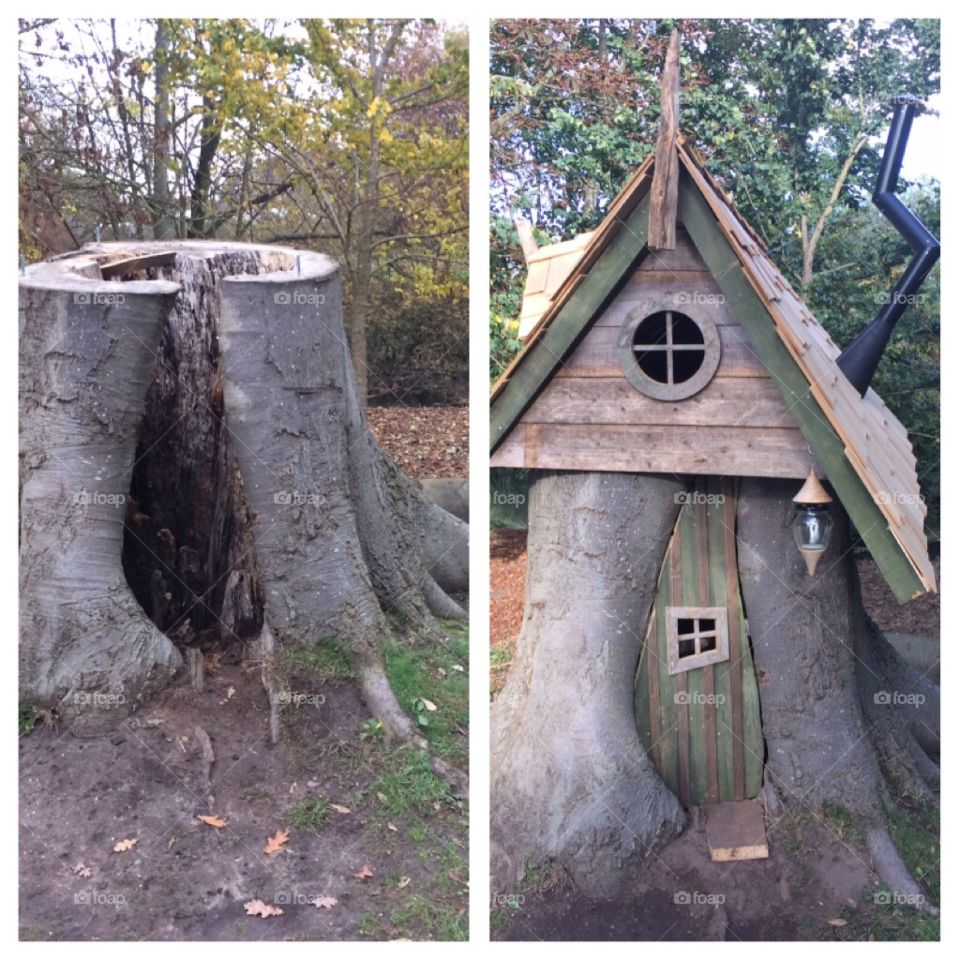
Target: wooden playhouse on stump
<point x="667" y="341"/>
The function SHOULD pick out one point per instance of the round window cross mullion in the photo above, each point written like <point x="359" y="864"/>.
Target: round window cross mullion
<point x="669" y="355"/>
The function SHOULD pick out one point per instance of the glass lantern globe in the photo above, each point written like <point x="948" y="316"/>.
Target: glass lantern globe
<point x="812" y="524"/>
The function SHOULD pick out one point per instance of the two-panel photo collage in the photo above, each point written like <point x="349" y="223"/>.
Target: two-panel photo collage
<point x="479" y="480"/>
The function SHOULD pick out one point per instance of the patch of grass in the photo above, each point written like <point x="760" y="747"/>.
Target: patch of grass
<point x="916" y="832"/>
<point x="428" y="918"/>
<point x="876" y="919"/>
<point x="407" y="784"/>
<point x="418" y="833"/>
<point x="326" y="661"/>
<point x="842" y="823"/>
<point x="311" y="813"/>
<point x="422" y="669"/>
<point x="544" y="877"/>
<point x="29" y="716"/>
<point x="368" y="924"/>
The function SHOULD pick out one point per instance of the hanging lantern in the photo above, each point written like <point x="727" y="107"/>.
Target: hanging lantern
<point x="812" y="523"/>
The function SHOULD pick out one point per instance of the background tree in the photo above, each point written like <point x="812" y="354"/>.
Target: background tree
<point x="346" y="136"/>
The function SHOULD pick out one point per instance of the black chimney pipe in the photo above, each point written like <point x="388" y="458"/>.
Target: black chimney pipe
<point x="860" y="357"/>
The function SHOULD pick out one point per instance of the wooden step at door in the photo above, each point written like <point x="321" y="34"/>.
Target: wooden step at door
<point x="735" y="831"/>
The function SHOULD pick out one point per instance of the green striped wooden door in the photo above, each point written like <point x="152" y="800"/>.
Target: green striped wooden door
<point x="696" y="699"/>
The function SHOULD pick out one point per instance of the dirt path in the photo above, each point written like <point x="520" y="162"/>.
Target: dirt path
<point x="147" y="780"/>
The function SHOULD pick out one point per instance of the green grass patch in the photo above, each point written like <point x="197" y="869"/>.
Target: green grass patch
<point x="368" y="924"/>
<point x="326" y="661"/>
<point x="407" y="784"/>
<point x="877" y="918"/>
<point x="916" y="832"/>
<point x="424" y="672"/>
<point x="428" y="918"/>
<point x="311" y="813"/>
<point x="28" y="717"/>
<point x="842" y="823"/>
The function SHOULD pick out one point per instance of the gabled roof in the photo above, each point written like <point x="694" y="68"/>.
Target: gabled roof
<point x="863" y="449"/>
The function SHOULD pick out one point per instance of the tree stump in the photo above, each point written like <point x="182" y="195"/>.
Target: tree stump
<point x="196" y="470"/>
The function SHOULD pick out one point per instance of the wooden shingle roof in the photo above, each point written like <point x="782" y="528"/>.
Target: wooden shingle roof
<point x="546" y="271"/>
<point x="864" y="450"/>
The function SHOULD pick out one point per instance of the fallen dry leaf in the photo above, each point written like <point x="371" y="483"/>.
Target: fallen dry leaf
<point x="392" y="826"/>
<point x="428" y="705"/>
<point x="276" y="842"/>
<point x="365" y="873"/>
<point x="82" y="870"/>
<point x="257" y="908"/>
<point x="212" y="821"/>
<point x="340" y="808"/>
<point x="837" y="922"/>
<point x="403" y="882"/>
<point x="328" y="903"/>
<point x="125" y="845"/>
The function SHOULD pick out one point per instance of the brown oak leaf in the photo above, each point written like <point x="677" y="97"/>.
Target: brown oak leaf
<point x="276" y="842"/>
<point x="212" y="821"/>
<point x="257" y="908"/>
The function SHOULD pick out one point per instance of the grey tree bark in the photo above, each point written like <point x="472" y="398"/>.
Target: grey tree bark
<point x="570" y="780"/>
<point x="316" y="535"/>
<point x="86" y="362"/>
<point x="343" y="539"/>
<point x="815" y="653"/>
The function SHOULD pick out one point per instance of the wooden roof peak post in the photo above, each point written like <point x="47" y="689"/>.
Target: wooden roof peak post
<point x="527" y="241"/>
<point x="662" y="230"/>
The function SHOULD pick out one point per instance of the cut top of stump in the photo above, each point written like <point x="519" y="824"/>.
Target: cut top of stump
<point x="97" y="268"/>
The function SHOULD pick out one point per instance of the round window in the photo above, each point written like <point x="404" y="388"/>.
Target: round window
<point x="669" y="355"/>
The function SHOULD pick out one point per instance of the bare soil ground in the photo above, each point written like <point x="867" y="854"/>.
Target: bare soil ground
<point x="146" y="780"/>
<point x="816" y="884"/>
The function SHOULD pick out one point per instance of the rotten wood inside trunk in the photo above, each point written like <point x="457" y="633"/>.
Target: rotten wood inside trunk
<point x="188" y="545"/>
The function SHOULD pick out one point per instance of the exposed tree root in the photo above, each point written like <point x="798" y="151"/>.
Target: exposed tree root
<point x="892" y="871"/>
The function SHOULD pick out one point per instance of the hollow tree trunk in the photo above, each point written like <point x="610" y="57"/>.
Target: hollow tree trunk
<point x="340" y="538"/>
<point x="570" y="779"/>
<point x="343" y="538"/>
<point x="806" y="633"/>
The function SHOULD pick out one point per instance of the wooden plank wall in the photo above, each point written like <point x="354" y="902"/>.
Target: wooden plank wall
<point x="589" y="417"/>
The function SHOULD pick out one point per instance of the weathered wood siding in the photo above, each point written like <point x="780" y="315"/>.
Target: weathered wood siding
<point x="589" y="417"/>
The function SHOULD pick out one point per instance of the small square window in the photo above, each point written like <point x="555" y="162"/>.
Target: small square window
<point x="696" y="637"/>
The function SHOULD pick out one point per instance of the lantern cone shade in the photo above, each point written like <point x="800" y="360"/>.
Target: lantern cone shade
<point x="811" y="558"/>
<point x="812" y="491"/>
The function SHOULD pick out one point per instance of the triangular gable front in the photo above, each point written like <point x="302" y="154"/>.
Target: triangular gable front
<point x="863" y="450"/>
